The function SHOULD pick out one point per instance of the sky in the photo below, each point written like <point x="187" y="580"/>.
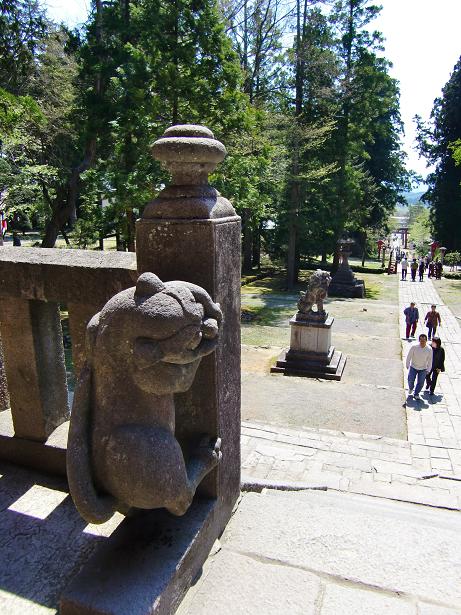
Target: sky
<point x="422" y="41"/>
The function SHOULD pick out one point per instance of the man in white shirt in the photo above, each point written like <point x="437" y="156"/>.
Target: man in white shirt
<point x="419" y="363"/>
<point x="404" y="265"/>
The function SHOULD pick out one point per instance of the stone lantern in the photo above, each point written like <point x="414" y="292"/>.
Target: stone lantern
<point x="344" y="282"/>
<point x="442" y="253"/>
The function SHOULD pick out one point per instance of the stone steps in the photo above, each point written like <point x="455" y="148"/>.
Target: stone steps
<point x="317" y="553"/>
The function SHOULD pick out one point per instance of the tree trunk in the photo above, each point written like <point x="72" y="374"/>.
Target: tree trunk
<point x="65" y="204"/>
<point x="247" y="241"/>
<point x="364" y="252"/>
<point x="130" y="230"/>
<point x="295" y="188"/>
<point x="66" y="209"/>
<point x="257" y="247"/>
<point x="335" y="265"/>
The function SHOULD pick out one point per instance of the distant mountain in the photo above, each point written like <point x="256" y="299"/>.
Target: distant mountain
<point x="413" y="197"/>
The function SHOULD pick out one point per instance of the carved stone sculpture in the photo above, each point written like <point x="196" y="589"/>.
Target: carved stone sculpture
<point x="144" y="346"/>
<point x="311" y="353"/>
<point x="317" y="290"/>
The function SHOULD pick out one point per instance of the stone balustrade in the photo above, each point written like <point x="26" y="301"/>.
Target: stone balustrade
<point x="34" y="282"/>
<point x="191" y="233"/>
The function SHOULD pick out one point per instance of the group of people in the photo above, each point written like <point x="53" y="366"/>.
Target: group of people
<point x="432" y="320"/>
<point x="424" y="363"/>
<point x="434" y="268"/>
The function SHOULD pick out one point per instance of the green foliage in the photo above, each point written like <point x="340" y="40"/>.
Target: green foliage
<point x="439" y="142"/>
<point x="452" y="258"/>
<point x="312" y="133"/>
<point x="22" y="29"/>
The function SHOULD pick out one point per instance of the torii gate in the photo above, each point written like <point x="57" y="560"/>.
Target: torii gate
<point x="403" y="230"/>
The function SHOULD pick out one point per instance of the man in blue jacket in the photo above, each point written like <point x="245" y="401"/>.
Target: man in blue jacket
<point x="411" y="317"/>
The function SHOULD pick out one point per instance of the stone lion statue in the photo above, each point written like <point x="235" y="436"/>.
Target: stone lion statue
<point x="144" y="346"/>
<point x="317" y="290"/>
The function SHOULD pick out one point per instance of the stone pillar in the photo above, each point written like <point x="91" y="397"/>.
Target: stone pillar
<point x="190" y="232"/>
<point x="80" y="315"/>
<point x="35" y="368"/>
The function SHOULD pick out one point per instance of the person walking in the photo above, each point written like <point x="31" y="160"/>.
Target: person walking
<point x="419" y="364"/>
<point x="413" y="269"/>
<point x="404" y="265"/>
<point x="421" y="270"/>
<point x="438" y="364"/>
<point x="411" y="319"/>
<point x="430" y="272"/>
<point x="432" y="320"/>
<point x="438" y="270"/>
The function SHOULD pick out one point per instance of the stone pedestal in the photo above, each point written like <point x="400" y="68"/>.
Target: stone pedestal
<point x="191" y="233"/>
<point x="311" y="353"/>
<point x="345" y="284"/>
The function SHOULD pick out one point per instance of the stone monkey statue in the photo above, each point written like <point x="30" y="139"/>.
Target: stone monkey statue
<point x="142" y="347"/>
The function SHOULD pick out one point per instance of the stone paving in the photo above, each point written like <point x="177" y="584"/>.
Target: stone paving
<point x="426" y="469"/>
<point x="317" y="553"/>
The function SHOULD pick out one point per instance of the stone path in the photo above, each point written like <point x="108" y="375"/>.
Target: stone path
<point x="426" y="469"/>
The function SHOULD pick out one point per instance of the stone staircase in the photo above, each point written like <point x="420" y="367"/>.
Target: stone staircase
<point x="317" y="553"/>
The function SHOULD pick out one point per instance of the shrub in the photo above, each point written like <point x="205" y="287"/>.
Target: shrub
<point x="452" y="276"/>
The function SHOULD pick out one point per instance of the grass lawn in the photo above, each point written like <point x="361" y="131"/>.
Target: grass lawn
<point x="450" y="292"/>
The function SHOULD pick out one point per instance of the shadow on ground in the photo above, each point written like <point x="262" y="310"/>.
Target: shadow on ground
<point x="43" y="540"/>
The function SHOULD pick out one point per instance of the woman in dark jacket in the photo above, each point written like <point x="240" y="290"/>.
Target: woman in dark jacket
<point x="438" y="364"/>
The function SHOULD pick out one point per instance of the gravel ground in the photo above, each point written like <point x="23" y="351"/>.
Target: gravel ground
<point x="369" y="398"/>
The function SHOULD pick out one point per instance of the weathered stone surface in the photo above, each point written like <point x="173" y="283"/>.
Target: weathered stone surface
<point x="242" y="585"/>
<point x="315" y="294"/>
<point x="339" y="599"/>
<point x="311" y="353"/>
<point x="147" y="565"/>
<point x="80" y="315"/>
<point x="43" y="541"/>
<point x="34" y="361"/>
<point x="308" y="337"/>
<point x="344" y="282"/>
<point x="190" y="153"/>
<point x="51" y="274"/>
<point x="208" y="255"/>
<point x="368" y="555"/>
<point x="144" y="346"/>
<point x="435" y="609"/>
<point x="393" y="546"/>
<point x="48" y="456"/>
<point x="4" y="396"/>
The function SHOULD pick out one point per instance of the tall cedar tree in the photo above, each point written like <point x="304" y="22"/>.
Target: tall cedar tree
<point x="160" y="63"/>
<point x="436" y="142"/>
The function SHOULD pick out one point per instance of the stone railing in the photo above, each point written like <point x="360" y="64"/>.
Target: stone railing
<point x="188" y="233"/>
<point x="34" y="282"/>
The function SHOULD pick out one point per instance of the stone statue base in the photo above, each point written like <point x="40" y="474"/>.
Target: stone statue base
<point x="345" y="284"/>
<point x="311" y="353"/>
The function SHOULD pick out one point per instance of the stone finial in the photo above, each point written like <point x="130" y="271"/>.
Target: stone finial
<point x="190" y="153"/>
